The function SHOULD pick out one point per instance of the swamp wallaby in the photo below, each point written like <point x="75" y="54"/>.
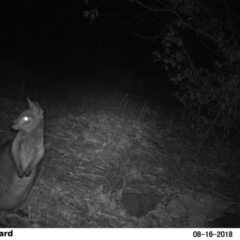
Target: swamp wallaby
<point x="20" y="157"/>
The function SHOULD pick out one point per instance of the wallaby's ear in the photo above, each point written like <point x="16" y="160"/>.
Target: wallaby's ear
<point x="30" y="103"/>
<point x="34" y="106"/>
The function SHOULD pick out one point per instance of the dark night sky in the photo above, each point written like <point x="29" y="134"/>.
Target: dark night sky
<point x="39" y="36"/>
<point x="42" y="31"/>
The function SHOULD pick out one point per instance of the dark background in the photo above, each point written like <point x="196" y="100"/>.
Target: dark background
<point x="48" y="35"/>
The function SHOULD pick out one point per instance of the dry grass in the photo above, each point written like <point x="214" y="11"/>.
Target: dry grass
<point x="100" y="150"/>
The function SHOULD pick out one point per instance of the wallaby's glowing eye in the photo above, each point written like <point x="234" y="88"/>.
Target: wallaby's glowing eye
<point x="25" y="119"/>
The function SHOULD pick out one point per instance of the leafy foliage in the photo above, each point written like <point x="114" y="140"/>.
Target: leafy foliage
<point x="211" y="94"/>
